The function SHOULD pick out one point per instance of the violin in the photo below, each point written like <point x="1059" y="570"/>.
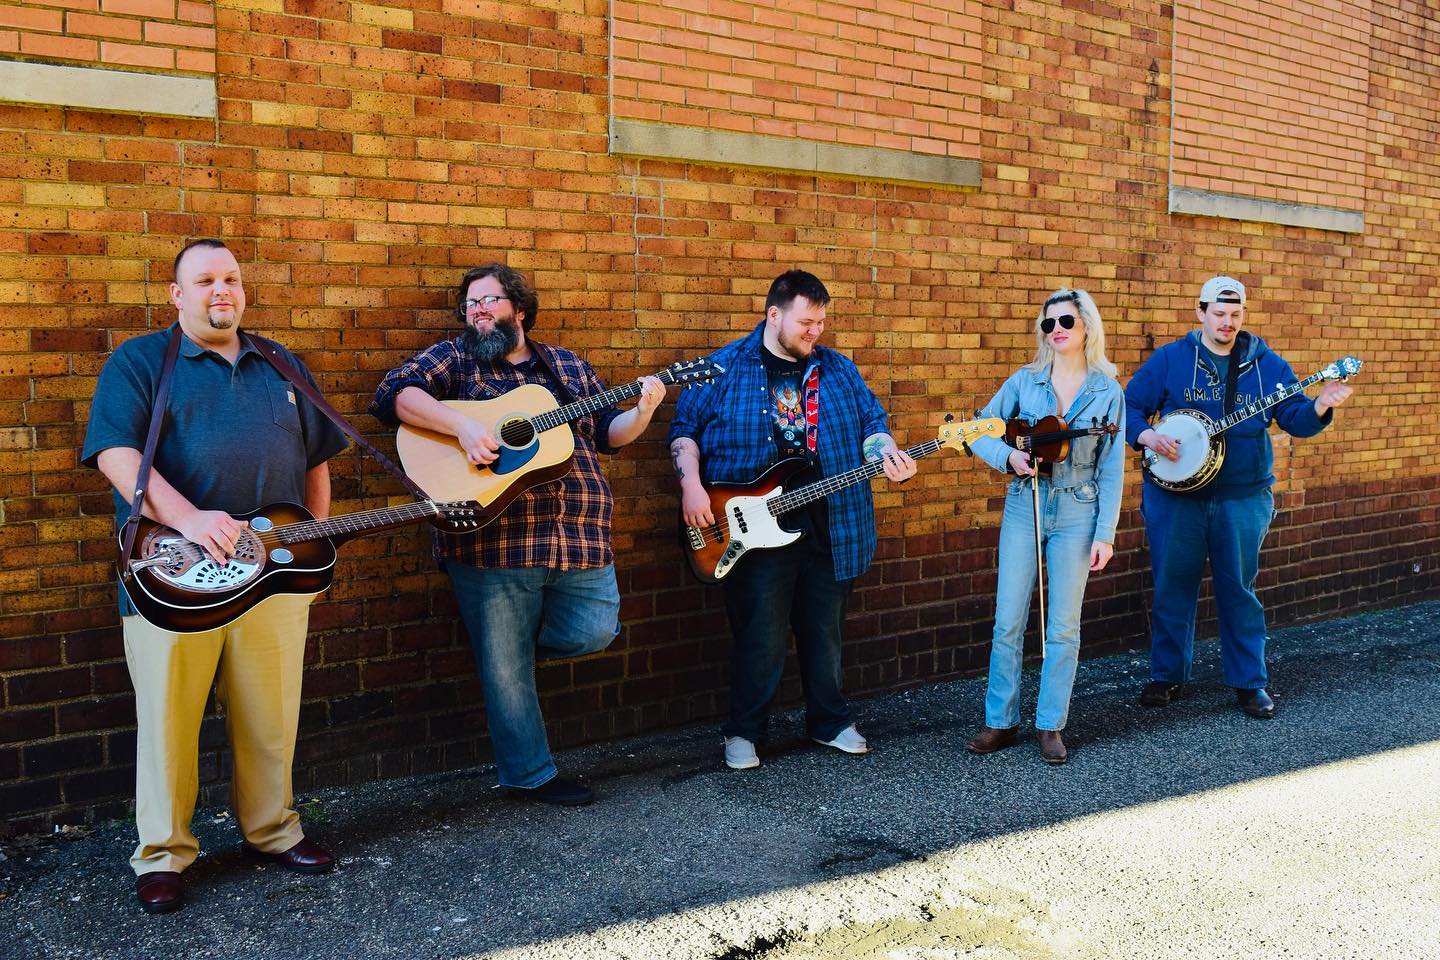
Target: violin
<point x="1047" y="440"/>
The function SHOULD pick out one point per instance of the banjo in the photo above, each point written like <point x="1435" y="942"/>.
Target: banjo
<point x="1202" y="440"/>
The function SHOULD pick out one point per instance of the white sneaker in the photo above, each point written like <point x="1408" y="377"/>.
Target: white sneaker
<point x="848" y="740"/>
<point x="740" y="754"/>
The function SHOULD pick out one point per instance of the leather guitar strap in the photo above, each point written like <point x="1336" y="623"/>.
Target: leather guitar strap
<point x="539" y="349"/>
<point x="271" y="352"/>
<point x="147" y="457"/>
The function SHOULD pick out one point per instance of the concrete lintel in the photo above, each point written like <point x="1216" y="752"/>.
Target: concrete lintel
<point x="699" y="145"/>
<point x="1207" y="203"/>
<point x="97" y="88"/>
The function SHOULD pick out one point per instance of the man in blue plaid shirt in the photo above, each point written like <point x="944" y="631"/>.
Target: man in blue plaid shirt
<point x="539" y="580"/>
<point x="784" y="396"/>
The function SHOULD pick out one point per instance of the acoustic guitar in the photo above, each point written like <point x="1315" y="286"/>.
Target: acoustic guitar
<point x="536" y="444"/>
<point x="284" y="549"/>
<point x="747" y="515"/>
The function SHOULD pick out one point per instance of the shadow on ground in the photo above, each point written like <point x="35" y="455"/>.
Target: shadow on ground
<point x="444" y="866"/>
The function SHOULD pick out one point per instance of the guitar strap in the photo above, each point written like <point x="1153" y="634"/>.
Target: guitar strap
<point x="271" y="352"/>
<point x="147" y="457"/>
<point x="539" y="350"/>
<point x="1232" y="373"/>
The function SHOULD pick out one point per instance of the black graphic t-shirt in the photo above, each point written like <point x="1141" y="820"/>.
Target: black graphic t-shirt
<point x="787" y="412"/>
<point x="1221" y="365"/>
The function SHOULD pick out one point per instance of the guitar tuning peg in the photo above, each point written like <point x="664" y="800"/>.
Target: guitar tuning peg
<point x="949" y="418"/>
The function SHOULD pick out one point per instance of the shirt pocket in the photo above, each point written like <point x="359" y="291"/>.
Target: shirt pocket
<point x="1084" y="451"/>
<point x="284" y="406"/>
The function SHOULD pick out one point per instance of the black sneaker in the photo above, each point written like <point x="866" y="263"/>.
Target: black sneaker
<point x="1159" y="693"/>
<point x="559" y="791"/>
<point x="1256" y="703"/>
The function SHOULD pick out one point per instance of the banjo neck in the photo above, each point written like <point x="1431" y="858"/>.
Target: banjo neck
<point x="1241" y="414"/>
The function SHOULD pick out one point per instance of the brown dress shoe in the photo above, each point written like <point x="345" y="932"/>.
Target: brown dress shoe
<point x="990" y="739"/>
<point x="160" y="891"/>
<point x="307" y="856"/>
<point x="1052" y="748"/>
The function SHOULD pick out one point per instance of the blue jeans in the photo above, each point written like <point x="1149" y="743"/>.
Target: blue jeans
<point x="770" y="593"/>
<point x="1067" y="530"/>
<point x="1183" y="529"/>
<point x="515" y="616"/>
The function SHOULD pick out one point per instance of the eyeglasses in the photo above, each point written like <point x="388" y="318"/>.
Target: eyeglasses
<point x="488" y="301"/>
<point x="1065" y="320"/>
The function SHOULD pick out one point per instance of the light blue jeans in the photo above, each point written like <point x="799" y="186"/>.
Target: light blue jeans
<point x="515" y="616"/>
<point x="1067" y="529"/>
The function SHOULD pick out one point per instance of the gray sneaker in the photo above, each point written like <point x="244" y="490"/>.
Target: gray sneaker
<point x="848" y="740"/>
<point x="740" y="754"/>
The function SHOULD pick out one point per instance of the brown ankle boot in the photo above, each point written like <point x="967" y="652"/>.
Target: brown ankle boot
<point x="990" y="739"/>
<point x="1052" y="748"/>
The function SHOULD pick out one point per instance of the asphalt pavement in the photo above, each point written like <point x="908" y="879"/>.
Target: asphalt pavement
<point x="1188" y="831"/>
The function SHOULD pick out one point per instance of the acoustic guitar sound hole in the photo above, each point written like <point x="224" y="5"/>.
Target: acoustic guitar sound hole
<point x="517" y="433"/>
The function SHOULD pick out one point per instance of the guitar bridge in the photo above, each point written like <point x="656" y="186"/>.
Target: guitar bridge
<point x="696" y="538"/>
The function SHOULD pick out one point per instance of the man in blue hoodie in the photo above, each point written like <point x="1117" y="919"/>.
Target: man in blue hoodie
<point x="1228" y="518"/>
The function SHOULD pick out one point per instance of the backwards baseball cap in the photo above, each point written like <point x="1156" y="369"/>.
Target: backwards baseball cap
<point x="1223" y="290"/>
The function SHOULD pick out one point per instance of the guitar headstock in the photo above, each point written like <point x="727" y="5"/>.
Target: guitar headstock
<point x="690" y="373"/>
<point x="459" y="516"/>
<point x="1343" y="369"/>
<point x="961" y="435"/>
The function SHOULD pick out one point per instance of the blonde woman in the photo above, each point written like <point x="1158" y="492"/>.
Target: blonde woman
<point x="1079" y="497"/>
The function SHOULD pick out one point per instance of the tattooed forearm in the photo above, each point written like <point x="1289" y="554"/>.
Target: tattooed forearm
<point x="875" y="445"/>
<point x="683" y="453"/>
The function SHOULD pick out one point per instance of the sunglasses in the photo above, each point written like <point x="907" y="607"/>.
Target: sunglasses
<point x="1066" y="320"/>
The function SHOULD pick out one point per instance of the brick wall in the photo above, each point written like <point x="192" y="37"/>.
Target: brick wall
<point x="904" y="75"/>
<point x="365" y="154"/>
<point x="1271" y="99"/>
<point x="176" y="35"/>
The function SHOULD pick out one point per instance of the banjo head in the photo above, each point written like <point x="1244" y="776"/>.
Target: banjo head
<point x="1192" y="429"/>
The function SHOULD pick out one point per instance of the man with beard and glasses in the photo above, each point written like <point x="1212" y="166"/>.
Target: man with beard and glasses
<point x="538" y="582"/>
<point x="785" y="396"/>
<point x="236" y="435"/>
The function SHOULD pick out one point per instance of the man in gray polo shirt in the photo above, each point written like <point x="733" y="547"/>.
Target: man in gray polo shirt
<point x="236" y="436"/>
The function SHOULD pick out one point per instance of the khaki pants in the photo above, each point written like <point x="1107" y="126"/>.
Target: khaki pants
<point x="260" y="658"/>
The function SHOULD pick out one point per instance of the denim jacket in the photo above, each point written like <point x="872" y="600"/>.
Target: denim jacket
<point x="1095" y="466"/>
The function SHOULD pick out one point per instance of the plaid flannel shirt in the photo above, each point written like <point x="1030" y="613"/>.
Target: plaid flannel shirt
<point x="563" y="524"/>
<point x="732" y="424"/>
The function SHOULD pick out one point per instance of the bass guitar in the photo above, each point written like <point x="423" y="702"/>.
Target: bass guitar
<point x="533" y="448"/>
<point x="177" y="587"/>
<point x="1202" y="441"/>
<point x="747" y="516"/>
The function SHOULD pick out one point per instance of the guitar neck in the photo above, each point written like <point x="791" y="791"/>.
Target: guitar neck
<point x="574" y="411"/>
<point x="1241" y="414"/>
<point x="823" y="488"/>
<point x="352" y="524"/>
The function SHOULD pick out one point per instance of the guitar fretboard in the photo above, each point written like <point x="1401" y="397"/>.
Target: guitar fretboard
<point x="811" y="492"/>
<point x="578" y="409"/>
<point x="1240" y="414"/>
<point x="357" y="522"/>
